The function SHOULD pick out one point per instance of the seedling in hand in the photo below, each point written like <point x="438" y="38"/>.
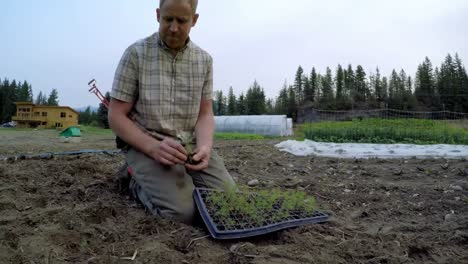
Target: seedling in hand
<point x="187" y="140"/>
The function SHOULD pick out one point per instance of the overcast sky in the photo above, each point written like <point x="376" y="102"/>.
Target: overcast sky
<point x="63" y="44"/>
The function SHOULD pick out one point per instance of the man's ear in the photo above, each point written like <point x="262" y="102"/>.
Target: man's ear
<point x="194" y="20"/>
<point x="158" y="14"/>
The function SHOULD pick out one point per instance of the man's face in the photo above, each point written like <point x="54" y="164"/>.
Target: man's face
<point x="175" y="19"/>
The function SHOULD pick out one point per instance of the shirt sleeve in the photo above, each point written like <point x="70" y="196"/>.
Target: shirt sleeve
<point x="125" y="85"/>
<point x="207" y="92"/>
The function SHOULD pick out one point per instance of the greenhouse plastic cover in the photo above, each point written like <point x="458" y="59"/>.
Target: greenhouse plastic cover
<point x="268" y="125"/>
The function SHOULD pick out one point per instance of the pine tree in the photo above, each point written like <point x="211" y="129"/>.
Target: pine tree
<point x="349" y="86"/>
<point x="282" y="102"/>
<point x="292" y="104"/>
<point x="393" y="91"/>
<point x="269" y="107"/>
<point x="84" y="118"/>
<point x="2" y="92"/>
<point x="411" y="102"/>
<point x="378" y="88"/>
<point x="461" y="86"/>
<point x="8" y="100"/>
<point x="400" y="92"/>
<point x="371" y="101"/>
<point x="102" y="113"/>
<point x="20" y="96"/>
<point x="53" y="98"/>
<point x="1" y="99"/>
<point x="409" y="84"/>
<point x="436" y="79"/>
<point x="385" y="90"/>
<point x="318" y="94"/>
<point x="241" y="108"/>
<point x="30" y="93"/>
<point x="24" y="92"/>
<point x="255" y="100"/>
<point x="424" y="86"/>
<point x="340" y="93"/>
<point x="298" y="85"/>
<point x="360" y="87"/>
<point x="313" y="80"/>
<point x="232" y="103"/>
<point x="465" y="91"/>
<point x="447" y="84"/>
<point x="403" y="85"/>
<point x="327" y="98"/>
<point x="307" y="93"/>
<point x="39" y="98"/>
<point x="88" y="115"/>
<point x="219" y="103"/>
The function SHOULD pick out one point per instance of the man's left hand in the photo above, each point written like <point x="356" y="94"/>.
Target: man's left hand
<point x="202" y="156"/>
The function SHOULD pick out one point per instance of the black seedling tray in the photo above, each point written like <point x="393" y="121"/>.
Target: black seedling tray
<point x="243" y="227"/>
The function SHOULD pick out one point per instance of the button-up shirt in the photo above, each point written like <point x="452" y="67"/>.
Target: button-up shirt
<point x="166" y="89"/>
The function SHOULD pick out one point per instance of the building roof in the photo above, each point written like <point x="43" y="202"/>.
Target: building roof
<point x="47" y="106"/>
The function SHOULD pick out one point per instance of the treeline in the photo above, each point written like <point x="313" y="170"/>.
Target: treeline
<point x="442" y="88"/>
<point x="13" y="91"/>
<point x="432" y="89"/>
<point x="95" y="118"/>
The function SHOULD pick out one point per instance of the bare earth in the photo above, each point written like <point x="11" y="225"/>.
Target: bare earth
<point x="67" y="210"/>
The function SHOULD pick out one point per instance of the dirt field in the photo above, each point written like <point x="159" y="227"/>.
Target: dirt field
<point x="66" y="209"/>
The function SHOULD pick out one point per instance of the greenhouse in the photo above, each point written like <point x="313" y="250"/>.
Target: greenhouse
<point x="267" y="125"/>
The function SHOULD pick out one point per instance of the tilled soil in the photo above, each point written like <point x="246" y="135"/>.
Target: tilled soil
<point x="67" y="209"/>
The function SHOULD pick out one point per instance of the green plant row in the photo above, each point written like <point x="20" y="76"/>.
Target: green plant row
<point x="258" y="207"/>
<point x="373" y="130"/>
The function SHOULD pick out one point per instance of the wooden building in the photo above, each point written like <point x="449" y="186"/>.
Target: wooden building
<point x="29" y="115"/>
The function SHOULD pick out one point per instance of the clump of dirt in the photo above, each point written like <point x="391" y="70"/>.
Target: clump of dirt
<point x="69" y="210"/>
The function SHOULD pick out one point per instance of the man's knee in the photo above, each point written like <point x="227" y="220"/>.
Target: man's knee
<point x="181" y="209"/>
<point x="182" y="212"/>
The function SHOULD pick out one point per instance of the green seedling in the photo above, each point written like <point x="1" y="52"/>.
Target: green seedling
<point x="188" y="142"/>
<point x="258" y="208"/>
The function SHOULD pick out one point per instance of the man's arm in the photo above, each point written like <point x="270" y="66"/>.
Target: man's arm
<point x="168" y="151"/>
<point x="204" y="132"/>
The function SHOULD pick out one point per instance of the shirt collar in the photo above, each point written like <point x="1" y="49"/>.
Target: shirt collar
<point x="164" y="46"/>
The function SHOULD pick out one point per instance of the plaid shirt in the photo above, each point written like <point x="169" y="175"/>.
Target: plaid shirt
<point x="167" y="89"/>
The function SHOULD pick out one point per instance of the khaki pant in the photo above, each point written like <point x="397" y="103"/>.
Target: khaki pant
<point x="167" y="190"/>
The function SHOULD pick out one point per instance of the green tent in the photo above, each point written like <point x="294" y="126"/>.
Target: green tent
<point x="71" y="132"/>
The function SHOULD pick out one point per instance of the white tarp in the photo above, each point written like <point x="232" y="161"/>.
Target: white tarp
<point x="289" y="122"/>
<point x="267" y="125"/>
<point x="357" y="150"/>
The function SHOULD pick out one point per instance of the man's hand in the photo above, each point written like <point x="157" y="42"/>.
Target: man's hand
<point x="168" y="152"/>
<point x="202" y="156"/>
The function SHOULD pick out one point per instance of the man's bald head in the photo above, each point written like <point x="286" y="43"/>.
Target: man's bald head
<point x="193" y="3"/>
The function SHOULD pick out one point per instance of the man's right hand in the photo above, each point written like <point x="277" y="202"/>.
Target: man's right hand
<point x="168" y="152"/>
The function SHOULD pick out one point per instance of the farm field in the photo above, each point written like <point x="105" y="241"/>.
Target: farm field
<point x="67" y="209"/>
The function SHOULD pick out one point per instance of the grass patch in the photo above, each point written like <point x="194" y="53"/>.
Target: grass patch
<point x="85" y="130"/>
<point x="13" y="129"/>
<point x="234" y="136"/>
<point x="92" y="130"/>
<point x="99" y="131"/>
<point x="389" y="131"/>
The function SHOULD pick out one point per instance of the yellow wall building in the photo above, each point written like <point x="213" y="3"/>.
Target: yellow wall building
<point x="29" y="115"/>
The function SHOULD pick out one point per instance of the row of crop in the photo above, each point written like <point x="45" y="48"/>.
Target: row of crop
<point x="387" y="131"/>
